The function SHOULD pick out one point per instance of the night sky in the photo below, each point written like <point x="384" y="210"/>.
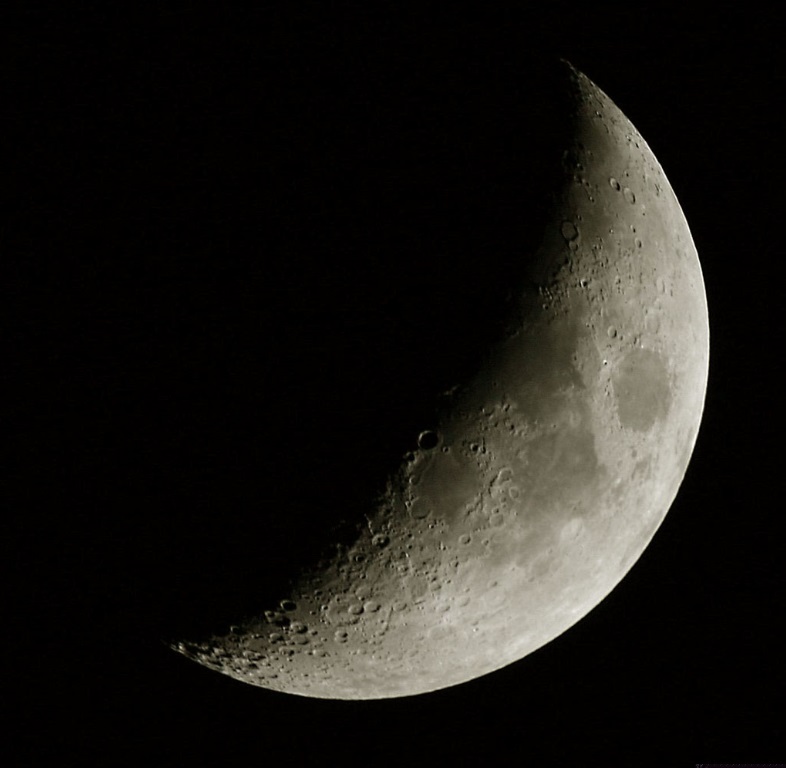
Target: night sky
<point x="149" y="309"/>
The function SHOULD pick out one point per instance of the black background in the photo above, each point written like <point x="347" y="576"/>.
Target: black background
<point x="151" y="416"/>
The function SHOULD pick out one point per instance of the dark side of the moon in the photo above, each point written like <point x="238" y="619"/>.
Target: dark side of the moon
<point x="329" y="255"/>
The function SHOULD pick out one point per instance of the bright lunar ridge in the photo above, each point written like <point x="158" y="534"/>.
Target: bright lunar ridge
<point x="543" y="475"/>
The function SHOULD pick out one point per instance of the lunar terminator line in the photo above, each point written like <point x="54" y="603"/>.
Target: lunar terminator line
<point x="544" y="475"/>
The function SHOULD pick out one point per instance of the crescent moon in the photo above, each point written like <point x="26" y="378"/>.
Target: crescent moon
<point x="548" y="470"/>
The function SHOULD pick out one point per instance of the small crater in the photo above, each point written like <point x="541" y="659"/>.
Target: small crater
<point x="428" y="440"/>
<point x="569" y="231"/>
<point x="274" y="617"/>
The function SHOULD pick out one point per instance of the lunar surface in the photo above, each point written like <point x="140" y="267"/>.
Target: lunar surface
<point x="542" y="476"/>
